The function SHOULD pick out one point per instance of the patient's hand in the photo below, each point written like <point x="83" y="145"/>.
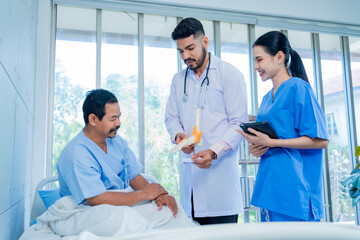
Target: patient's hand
<point x="169" y="201"/>
<point x="153" y="190"/>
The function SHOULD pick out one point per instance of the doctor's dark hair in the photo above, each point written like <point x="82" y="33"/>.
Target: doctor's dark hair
<point x="95" y="102"/>
<point x="275" y="41"/>
<point x="188" y="27"/>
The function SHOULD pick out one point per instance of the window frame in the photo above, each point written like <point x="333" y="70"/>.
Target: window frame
<point x="251" y="20"/>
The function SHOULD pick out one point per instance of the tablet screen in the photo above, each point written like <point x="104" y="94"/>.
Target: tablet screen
<point x="263" y="127"/>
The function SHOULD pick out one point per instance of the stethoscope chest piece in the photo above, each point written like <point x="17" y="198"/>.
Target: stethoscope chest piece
<point x="185" y="97"/>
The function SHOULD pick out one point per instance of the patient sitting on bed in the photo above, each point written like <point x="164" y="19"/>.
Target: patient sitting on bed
<point x="93" y="171"/>
<point x="98" y="159"/>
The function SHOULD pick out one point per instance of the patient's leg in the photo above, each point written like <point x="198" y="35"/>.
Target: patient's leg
<point x="164" y="218"/>
<point x="102" y="220"/>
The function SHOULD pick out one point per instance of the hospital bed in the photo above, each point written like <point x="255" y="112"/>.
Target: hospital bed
<point x="257" y="231"/>
<point x="275" y="230"/>
<point x="47" y="192"/>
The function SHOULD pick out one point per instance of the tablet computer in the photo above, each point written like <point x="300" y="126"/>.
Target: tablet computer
<point x="263" y="127"/>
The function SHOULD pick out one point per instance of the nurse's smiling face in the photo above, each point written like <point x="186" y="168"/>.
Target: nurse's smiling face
<point x="266" y="65"/>
<point x="110" y="123"/>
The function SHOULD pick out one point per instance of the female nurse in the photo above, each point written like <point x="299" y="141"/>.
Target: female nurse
<point x="288" y="185"/>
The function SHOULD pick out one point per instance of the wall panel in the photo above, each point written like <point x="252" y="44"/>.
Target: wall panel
<point x="7" y="103"/>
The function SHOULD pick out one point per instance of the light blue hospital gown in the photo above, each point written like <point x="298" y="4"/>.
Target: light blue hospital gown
<point x="85" y="170"/>
<point x="289" y="181"/>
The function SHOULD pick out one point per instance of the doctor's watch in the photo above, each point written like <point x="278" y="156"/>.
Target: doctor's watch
<point x="214" y="156"/>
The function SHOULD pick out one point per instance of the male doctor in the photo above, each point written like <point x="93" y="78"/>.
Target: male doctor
<point x="210" y="94"/>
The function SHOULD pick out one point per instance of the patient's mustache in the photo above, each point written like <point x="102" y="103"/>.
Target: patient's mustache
<point x="114" y="129"/>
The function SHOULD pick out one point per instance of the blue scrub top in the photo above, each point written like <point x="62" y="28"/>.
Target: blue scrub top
<point x="85" y="170"/>
<point x="289" y="181"/>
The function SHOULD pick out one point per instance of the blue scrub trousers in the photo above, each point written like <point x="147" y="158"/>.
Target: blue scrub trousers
<point x="270" y="216"/>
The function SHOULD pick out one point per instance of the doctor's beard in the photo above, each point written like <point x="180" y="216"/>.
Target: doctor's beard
<point x="200" y="62"/>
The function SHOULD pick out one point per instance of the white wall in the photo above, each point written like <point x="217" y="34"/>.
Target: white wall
<point x="338" y="11"/>
<point x="18" y="21"/>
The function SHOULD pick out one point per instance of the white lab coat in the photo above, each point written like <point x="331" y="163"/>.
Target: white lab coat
<point x="216" y="191"/>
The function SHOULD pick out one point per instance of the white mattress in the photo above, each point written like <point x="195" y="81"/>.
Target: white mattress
<point x="252" y="231"/>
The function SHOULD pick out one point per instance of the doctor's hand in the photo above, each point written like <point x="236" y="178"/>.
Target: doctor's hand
<point x="187" y="149"/>
<point x="203" y="159"/>
<point x="169" y="201"/>
<point x="258" y="138"/>
<point x="258" y="150"/>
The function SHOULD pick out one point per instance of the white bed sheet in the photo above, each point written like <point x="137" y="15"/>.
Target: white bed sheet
<point x="67" y="220"/>
<point x="256" y="231"/>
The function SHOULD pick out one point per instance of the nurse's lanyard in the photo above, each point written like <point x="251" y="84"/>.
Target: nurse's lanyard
<point x="201" y="101"/>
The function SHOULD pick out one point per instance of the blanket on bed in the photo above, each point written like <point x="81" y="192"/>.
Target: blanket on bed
<point x="67" y="220"/>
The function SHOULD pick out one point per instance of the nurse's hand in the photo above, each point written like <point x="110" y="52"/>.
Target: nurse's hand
<point x="203" y="159"/>
<point x="169" y="201"/>
<point x="258" y="150"/>
<point x="187" y="149"/>
<point x="152" y="191"/>
<point x="258" y="138"/>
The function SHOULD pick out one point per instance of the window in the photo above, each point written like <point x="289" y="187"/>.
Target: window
<point x="75" y="66"/>
<point x="355" y="70"/>
<point x="338" y="150"/>
<point x="119" y="68"/>
<point x="235" y="50"/>
<point x="75" y="74"/>
<point x="160" y="61"/>
<point x="331" y="124"/>
<point x="301" y="43"/>
<point x="209" y="32"/>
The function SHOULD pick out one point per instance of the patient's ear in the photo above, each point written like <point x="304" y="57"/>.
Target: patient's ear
<point x="92" y="119"/>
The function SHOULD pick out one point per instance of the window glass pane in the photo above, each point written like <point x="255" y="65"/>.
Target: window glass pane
<point x="338" y="150"/>
<point x="160" y="65"/>
<point x="75" y="66"/>
<point x="355" y="70"/>
<point x="262" y="87"/>
<point x="209" y="32"/>
<point x="119" y="68"/>
<point x="235" y="50"/>
<point x="301" y="43"/>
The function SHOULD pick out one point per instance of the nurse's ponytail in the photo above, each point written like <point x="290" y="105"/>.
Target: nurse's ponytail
<point x="296" y="67"/>
<point x="276" y="41"/>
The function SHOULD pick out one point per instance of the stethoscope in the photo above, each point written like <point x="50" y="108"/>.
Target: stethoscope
<point x="185" y="96"/>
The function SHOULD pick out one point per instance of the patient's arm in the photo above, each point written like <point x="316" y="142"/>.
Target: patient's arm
<point x="138" y="182"/>
<point x="142" y="191"/>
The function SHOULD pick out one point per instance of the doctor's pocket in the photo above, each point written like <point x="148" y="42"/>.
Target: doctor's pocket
<point x="215" y="100"/>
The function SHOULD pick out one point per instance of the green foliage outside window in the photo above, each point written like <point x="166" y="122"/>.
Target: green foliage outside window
<point x="339" y="165"/>
<point x="68" y="122"/>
